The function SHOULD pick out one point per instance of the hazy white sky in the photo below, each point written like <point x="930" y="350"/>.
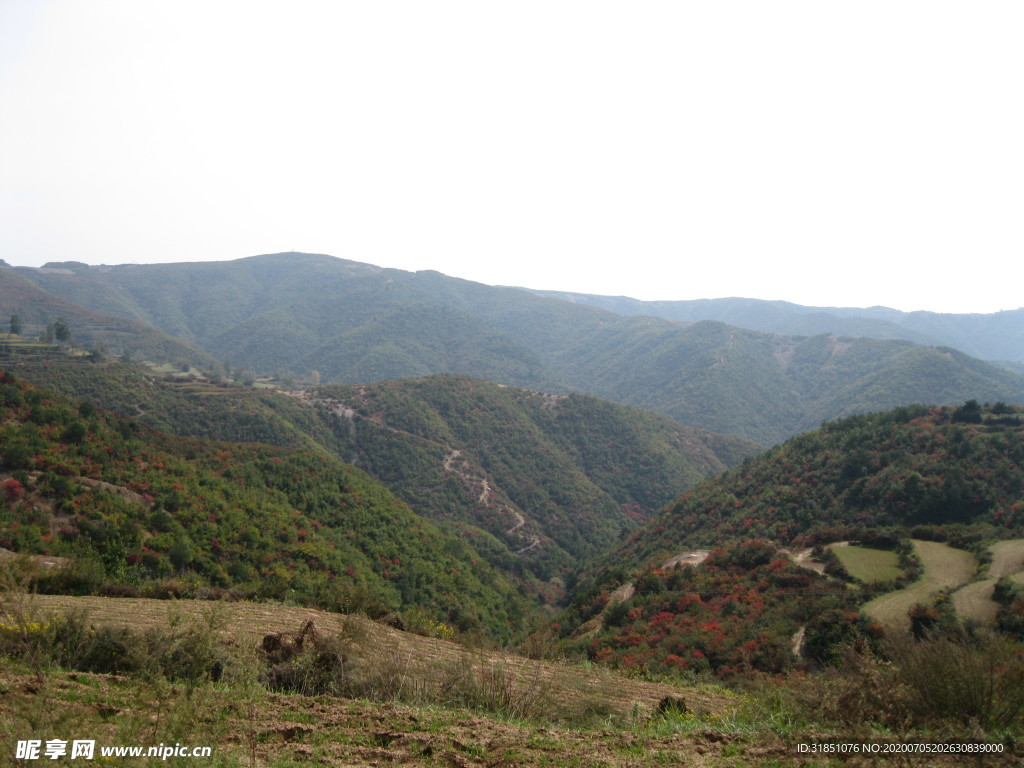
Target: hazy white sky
<point x="823" y="152"/>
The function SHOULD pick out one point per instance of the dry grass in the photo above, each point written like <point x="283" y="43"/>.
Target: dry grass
<point x="400" y="654"/>
<point x="1007" y="558"/>
<point x="974" y="601"/>
<point x="252" y="728"/>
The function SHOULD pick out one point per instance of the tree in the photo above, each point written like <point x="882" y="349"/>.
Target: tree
<point x="61" y="331"/>
<point x="15" y="325"/>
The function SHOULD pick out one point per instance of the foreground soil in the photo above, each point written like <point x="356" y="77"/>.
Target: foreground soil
<point x="248" y="727"/>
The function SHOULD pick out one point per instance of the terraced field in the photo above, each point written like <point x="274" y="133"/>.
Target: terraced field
<point x="868" y="564"/>
<point x="974" y="601"/>
<point x="944" y="568"/>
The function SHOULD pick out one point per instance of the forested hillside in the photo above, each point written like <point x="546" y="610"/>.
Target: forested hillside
<point x="147" y="513"/>
<point x="354" y="323"/>
<point x="939" y="474"/>
<point x="35" y="309"/>
<point x="536" y="481"/>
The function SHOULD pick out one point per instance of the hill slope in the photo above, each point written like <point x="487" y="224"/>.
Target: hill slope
<point x="140" y="505"/>
<point x="537" y="482"/>
<point x="941" y="474"/>
<point x="36" y="309"/>
<point x="913" y="466"/>
<point x="994" y="336"/>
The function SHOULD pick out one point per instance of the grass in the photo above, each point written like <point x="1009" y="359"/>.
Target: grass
<point x="974" y="601"/>
<point x="868" y="564"/>
<point x="1007" y="558"/>
<point x="400" y="656"/>
<point x="945" y="568"/>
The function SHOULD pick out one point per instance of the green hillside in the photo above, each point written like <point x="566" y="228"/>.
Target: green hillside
<point x="182" y="403"/>
<point x="950" y="478"/>
<point x="769" y="387"/>
<point x="994" y="336"/>
<point x="354" y="323"/>
<point x="536" y="482"/>
<point x="145" y="512"/>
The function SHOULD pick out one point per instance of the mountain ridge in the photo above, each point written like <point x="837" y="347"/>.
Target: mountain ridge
<point x="352" y="323"/>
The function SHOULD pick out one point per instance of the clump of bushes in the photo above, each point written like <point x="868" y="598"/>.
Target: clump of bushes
<point x="185" y="652"/>
<point x="959" y="685"/>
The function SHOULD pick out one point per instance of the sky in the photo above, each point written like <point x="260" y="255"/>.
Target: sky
<point x="826" y="153"/>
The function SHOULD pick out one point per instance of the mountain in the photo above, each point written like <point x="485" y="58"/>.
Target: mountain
<point x="998" y="336"/>
<point x="142" y="510"/>
<point x="911" y="466"/>
<point x="537" y="482"/>
<point x="353" y="323"/>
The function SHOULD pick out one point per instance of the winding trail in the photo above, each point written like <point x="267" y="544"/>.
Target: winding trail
<point x="454" y="463"/>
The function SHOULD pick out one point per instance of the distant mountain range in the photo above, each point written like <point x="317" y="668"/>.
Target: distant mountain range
<point x="354" y="323"/>
<point x="998" y="336"/>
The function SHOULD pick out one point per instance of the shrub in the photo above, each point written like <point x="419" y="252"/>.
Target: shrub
<point x="187" y="652"/>
<point x="978" y="681"/>
<point x="493" y="687"/>
<point x="12" y="489"/>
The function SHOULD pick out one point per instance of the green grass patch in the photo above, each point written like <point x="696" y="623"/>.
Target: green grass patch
<point x="868" y="564"/>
